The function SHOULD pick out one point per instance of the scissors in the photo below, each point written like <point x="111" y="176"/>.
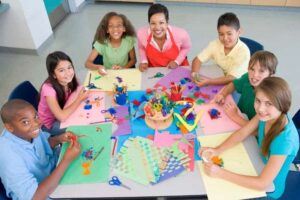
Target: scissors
<point x="116" y="181"/>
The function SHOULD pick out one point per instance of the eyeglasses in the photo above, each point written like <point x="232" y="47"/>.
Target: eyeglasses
<point x="117" y="27"/>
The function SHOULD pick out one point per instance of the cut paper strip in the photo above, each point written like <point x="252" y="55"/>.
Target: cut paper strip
<point x="188" y="126"/>
<point x="122" y="120"/>
<point x="236" y="160"/>
<point x="205" y="93"/>
<point x="88" y="111"/>
<point x="94" y="167"/>
<point x="130" y="77"/>
<point x="221" y="124"/>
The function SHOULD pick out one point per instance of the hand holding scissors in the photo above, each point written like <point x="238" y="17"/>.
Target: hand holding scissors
<point x="116" y="181"/>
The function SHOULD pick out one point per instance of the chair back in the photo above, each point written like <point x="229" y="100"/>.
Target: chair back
<point x="27" y="92"/>
<point x="296" y="120"/>
<point x="252" y="45"/>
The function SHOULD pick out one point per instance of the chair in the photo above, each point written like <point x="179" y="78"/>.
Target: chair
<point x="3" y="192"/>
<point x="252" y="45"/>
<point x="27" y="92"/>
<point x="292" y="183"/>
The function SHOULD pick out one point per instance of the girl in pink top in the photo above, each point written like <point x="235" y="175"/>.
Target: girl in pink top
<point x="56" y="90"/>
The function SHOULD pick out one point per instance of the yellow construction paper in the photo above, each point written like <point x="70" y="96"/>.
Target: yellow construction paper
<point x="131" y="78"/>
<point x="236" y="160"/>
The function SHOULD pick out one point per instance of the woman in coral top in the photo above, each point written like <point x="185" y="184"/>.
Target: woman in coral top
<point x="162" y="45"/>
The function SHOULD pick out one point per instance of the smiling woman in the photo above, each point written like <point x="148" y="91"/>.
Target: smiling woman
<point x="162" y="45"/>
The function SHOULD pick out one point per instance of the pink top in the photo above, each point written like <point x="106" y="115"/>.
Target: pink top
<point x="181" y="37"/>
<point x="46" y="116"/>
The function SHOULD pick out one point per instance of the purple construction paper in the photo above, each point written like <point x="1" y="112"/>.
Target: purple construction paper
<point x="190" y="88"/>
<point x="123" y="115"/>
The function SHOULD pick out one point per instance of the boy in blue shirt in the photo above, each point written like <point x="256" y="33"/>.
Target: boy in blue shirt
<point x="27" y="160"/>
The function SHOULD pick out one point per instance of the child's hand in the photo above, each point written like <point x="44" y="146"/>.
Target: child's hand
<point x="202" y="82"/>
<point x="73" y="151"/>
<point x="207" y="153"/>
<point x="212" y="169"/>
<point x="102" y="71"/>
<point x="67" y="137"/>
<point x="83" y="94"/>
<point x="172" y="65"/>
<point x="143" y="67"/>
<point x="231" y="110"/>
<point x="116" y="67"/>
<point x="219" y="99"/>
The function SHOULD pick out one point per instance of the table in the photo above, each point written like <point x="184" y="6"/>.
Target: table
<point x="187" y="184"/>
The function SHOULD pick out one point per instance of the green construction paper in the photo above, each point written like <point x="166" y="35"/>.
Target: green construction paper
<point x="97" y="136"/>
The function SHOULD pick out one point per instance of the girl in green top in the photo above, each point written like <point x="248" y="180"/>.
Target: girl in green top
<point x="114" y="41"/>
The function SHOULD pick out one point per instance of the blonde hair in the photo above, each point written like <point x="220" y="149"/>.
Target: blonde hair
<point x="267" y="60"/>
<point x="278" y="92"/>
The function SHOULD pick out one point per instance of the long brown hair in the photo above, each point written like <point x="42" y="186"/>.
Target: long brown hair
<point x="101" y="34"/>
<point x="277" y="90"/>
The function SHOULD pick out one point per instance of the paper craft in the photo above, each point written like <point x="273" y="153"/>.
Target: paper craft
<point x="236" y="160"/>
<point x="88" y="111"/>
<point x="92" y="165"/>
<point x="182" y="76"/>
<point x="122" y="120"/>
<point x="130" y="77"/>
<point x="221" y="124"/>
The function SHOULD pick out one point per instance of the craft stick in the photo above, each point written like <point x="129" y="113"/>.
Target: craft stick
<point x="90" y="78"/>
<point x="114" y="147"/>
<point x="98" y="153"/>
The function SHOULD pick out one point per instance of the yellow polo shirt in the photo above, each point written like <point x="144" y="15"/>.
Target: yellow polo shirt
<point x="235" y="63"/>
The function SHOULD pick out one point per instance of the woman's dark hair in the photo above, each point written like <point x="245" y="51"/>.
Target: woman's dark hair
<point x="101" y="34"/>
<point x="229" y="19"/>
<point x="52" y="61"/>
<point x="158" y="8"/>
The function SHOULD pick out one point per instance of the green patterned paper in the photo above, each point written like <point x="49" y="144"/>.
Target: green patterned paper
<point x="92" y="139"/>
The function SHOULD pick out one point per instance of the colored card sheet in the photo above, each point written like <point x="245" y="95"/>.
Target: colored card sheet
<point x="92" y="164"/>
<point x="219" y="124"/>
<point x="236" y="160"/>
<point x="182" y="76"/>
<point x="122" y="121"/>
<point x="130" y="77"/>
<point x="89" y="111"/>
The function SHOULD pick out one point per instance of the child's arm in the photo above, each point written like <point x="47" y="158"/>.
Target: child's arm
<point x="132" y="59"/>
<point x="46" y="187"/>
<point x="196" y="64"/>
<point x="232" y="112"/>
<point x="63" y="114"/>
<point x="66" y="137"/>
<point x="221" y="96"/>
<point x="261" y="182"/>
<point x="235" y="138"/>
<point x="217" y="81"/>
<point x="89" y="63"/>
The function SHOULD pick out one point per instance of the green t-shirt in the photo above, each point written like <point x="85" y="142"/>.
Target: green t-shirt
<point x="115" y="56"/>
<point x="246" y="102"/>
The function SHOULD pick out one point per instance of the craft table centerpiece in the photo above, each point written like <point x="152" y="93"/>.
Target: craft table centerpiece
<point x="159" y="111"/>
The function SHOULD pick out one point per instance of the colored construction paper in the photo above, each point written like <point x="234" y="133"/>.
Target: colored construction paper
<point x="130" y="77"/>
<point x="179" y="74"/>
<point x="122" y="120"/>
<point x="89" y="111"/>
<point x="236" y="159"/>
<point x="94" y="138"/>
<point x="221" y="124"/>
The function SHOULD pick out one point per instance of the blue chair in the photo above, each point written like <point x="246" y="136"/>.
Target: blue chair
<point x="3" y="192"/>
<point x="27" y="92"/>
<point x="252" y="45"/>
<point x="292" y="183"/>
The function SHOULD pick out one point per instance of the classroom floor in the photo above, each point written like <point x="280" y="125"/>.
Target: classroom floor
<point x="278" y="29"/>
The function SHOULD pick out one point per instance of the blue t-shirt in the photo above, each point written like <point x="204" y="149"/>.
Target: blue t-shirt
<point x="286" y="143"/>
<point x="23" y="164"/>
